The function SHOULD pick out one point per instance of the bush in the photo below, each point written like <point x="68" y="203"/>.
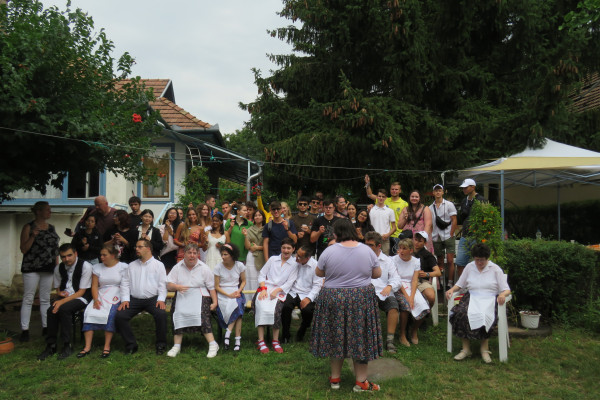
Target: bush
<point x="485" y="226"/>
<point x="558" y="279"/>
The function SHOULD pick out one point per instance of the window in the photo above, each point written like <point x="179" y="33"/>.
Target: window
<point x="158" y="165"/>
<point x="83" y="184"/>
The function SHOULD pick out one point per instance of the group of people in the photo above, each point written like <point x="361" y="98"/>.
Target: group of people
<point x="337" y="263"/>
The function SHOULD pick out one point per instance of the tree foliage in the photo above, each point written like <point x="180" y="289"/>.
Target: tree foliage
<point x="61" y="108"/>
<point x="421" y="86"/>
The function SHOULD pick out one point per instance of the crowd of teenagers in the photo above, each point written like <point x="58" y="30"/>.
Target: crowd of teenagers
<point x="333" y="263"/>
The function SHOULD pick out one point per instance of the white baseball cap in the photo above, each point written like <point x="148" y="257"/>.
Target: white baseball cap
<point x="423" y="234"/>
<point x="438" y="185"/>
<point x="468" y="182"/>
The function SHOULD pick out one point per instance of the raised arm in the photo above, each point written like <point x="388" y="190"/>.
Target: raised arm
<point x="368" y="188"/>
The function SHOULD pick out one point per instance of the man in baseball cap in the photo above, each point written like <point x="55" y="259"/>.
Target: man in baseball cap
<point x="464" y="245"/>
<point x="429" y="267"/>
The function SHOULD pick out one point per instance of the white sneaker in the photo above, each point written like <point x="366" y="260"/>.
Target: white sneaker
<point x="174" y="351"/>
<point x="213" y="348"/>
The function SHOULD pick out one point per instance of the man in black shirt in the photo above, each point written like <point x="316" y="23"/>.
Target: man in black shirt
<point x="429" y="266"/>
<point x="322" y="228"/>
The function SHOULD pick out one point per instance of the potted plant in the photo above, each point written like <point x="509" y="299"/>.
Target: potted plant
<point x="530" y="319"/>
<point x="6" y="345"/>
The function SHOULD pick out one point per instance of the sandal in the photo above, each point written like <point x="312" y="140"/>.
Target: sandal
<point x="462" y="355"/>
<point x="262" y="347"/>
<point x="105" y="353"/>
<point x="365" y="386"/>
<point x="334" y="383"/>
<point x="485" y="356"/>
<point x="83" y="353"/>
<point x="277" y="346"/>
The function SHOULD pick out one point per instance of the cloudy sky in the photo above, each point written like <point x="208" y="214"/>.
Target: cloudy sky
<point x="205" y="47"/>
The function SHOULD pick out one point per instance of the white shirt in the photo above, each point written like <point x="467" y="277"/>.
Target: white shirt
<point x="200" y="276"/>
<point x="381" y="218"/>
<point x="491" y="280"/>
<point x="444" y="211"/>
<point x="307" y="284"/>
<point x="84" y="283"/>
<point x="389" y="275"/>
<point x="406" y="269"/>
<point x="277" y="275"/>
<point x="144" y="280"/>
<point x="229" y="278"/>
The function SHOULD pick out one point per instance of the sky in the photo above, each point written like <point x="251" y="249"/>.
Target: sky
<point x="206" y="47"/>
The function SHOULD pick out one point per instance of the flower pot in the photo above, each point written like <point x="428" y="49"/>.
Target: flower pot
<point x="6" y="346"/>
<point x="530" y="320"/>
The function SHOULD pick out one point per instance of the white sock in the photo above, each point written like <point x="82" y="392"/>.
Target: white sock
<point x="177" y="346"/>
<point x="227" y="335"/>
<point x="238" y="340"/>
<point x="213" y="342"/>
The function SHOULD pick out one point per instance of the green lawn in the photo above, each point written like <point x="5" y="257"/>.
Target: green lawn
<point x="564" y="365"/>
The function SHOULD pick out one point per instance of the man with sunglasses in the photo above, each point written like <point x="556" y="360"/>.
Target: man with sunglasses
<point x="316" y="204"/>
<point x="303" y="221"/>
<point x="276" y="230"/>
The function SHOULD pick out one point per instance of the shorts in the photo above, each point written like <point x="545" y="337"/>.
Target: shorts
<point x="388" y="304"/>
<point x="424" y="285"/>
<point x="449" y="245"/>
<point x="464" y="252"/>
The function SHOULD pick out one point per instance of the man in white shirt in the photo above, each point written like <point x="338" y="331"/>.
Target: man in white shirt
<point x="72" y="280"/>
<point x="383" y="220"/>
<point x="444" y="224"/>
<point x="385" y="287"/>
<point x="143" y="288"/>
<point x="302" y="295"/>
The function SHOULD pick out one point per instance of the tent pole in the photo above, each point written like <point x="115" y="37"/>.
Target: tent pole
<point x="502" y="201"/>
<point x="558" y="202"/>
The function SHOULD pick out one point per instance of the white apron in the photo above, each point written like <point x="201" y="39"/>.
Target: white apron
<point x="188" y="308"/>
<point x="108" y="296"/>
<point x="264" y="313"/>
<point x="420" y="303"/>
<point x="227" y="305"/>
<point x="481" y="310"/>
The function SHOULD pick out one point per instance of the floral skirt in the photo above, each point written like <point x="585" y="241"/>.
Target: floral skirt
<point x="278" y="309"/>
<point x="346" y="324"/>
<point x="405" y="305"/>
<point x="460" y="321"/>
<point x="206" y="324"/>
<point x="109" y="326"/>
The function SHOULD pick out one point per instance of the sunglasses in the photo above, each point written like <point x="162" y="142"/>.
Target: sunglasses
<point x="302" y="204"/>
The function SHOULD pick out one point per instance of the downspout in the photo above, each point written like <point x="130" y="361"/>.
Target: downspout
<point x="250" y="177"/>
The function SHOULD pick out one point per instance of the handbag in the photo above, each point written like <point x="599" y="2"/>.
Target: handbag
<point x="439" y="221"/>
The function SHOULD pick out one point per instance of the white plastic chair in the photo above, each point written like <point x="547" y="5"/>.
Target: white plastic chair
<point x="503" y="339"/>
<point x="434" y="308"/>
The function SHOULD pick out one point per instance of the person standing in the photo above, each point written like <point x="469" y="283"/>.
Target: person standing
<point x="444" y="225"/>
<point x="303" y="222"/>
<point x="322" y="228"/>
<point x="234" y="231"/>
<point x="135" y="216"/>
<point x="383" y="220"/>
<point x="276" y="230"/>
<point x="464" y="244"/>
<point x="143" y="288"/>
<point x="73" y="280"/>
<point x="105" y="215"/>
<point x="39" y="245"/>
<point x="395" y="202"/>
<point x="346" y="321"/>
<point x="340" y="207"/>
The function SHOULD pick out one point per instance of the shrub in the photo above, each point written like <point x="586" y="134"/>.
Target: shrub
<point x="485" y="226"/>
<point x="558" y="279"/>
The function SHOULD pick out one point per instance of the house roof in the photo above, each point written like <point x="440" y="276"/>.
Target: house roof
<point x="588" y="97"/>
<point x="176" y="117"/>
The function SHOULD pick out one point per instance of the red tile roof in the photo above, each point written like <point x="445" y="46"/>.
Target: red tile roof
<point x="588" y="98"/>
<point x="175" y="115"/>
<point x="170" y="112"/>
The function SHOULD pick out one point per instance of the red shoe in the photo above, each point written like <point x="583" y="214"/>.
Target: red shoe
<point x="262" y="347"/>
<point x="277" y="346"/>
<point x="334" y="383"/>
<point x="365" y="386"/>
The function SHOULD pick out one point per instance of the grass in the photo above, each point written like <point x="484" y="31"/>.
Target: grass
<point x="564" y="365"/>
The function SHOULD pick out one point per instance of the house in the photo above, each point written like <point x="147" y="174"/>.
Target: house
<point x="185" y="141"/>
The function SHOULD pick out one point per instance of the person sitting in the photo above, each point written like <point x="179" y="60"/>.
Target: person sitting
<point x="230" y="280"/>
<point x="274" y="282"/>
<point x="72" y="280"/>
<point x="429" y="266"/>
<point x="302" y="295"/>
<point x="143" y="288"/>
<point x="385" y="287"/>
<point x="106" y="292"/>
<point x="196" y="299"/>
<point x="410" y="300"/>
<point x="476" y="315"/>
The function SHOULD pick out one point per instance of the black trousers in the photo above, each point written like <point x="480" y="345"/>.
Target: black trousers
<point x="64" y="319"/>
<point x="286" y="315"/>
<point x="136" y="306"/>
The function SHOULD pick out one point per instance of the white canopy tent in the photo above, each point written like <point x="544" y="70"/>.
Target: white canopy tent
<point x="553" y="164"/>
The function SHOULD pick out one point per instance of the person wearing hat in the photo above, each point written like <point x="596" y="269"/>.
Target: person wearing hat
<point x="464" y="245"/>
<point x="444" y="226"/>
<point x="429" y="267"/>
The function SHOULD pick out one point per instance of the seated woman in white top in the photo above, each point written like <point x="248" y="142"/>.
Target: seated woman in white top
<point x="476" y="315"/>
